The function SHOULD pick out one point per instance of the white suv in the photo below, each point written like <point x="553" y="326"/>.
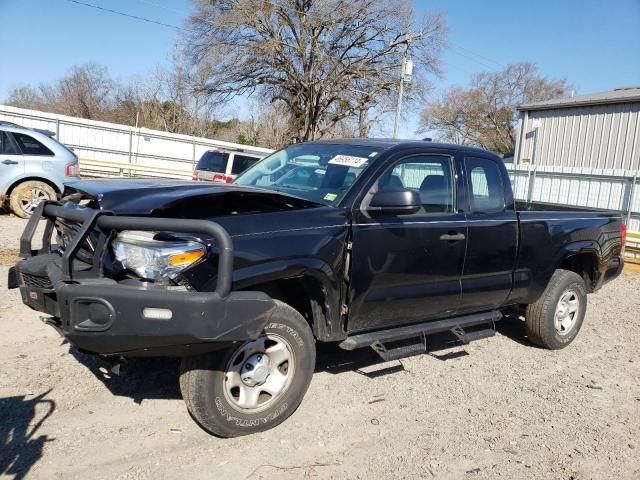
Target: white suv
<point x="221" y="166"/>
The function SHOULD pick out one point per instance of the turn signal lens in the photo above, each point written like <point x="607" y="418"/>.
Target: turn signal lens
<point x="186" y="258"/>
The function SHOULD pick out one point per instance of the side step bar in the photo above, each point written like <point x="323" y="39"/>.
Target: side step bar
<point x="456" y="325"/>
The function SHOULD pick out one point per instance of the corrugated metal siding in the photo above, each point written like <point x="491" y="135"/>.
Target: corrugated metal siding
<point x="574" y="187"/>
<point x="603" y="137"/>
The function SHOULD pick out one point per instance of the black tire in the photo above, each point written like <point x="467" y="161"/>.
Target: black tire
<point x="210" y="402"/>
<point x="540" y="318"/>
<point x="25" y="195"/>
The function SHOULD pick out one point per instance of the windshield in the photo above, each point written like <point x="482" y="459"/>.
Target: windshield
<point x="319" y="172"/>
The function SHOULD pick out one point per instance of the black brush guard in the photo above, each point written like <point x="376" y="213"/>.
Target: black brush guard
<point x="100" y="315"/>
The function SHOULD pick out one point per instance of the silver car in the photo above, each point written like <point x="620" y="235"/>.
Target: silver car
<point x="33" y="167"/>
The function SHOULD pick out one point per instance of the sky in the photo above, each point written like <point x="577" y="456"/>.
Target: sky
<point x="594" y="44"/>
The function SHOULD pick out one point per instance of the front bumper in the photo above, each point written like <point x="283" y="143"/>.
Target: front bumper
<point x="106" y="317"/>
<point x="100" y="315"/>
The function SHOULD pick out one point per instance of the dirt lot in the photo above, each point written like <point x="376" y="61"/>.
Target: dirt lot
<point x="497" y="408"/>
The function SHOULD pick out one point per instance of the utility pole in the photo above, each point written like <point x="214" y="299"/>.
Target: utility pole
<point x="406" y="71"/>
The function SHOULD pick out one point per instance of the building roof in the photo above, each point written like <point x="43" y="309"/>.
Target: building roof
<point x="618" y="95"/>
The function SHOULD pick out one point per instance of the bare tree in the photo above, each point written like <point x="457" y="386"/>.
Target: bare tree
<point x="309" y="55"/>
<point x="25" y="96"/>
<point x="485" y="113"/>
<point x="86" y="91"/>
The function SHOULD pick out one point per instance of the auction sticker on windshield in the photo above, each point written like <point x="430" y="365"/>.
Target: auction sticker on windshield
<point x="348" y="161"/>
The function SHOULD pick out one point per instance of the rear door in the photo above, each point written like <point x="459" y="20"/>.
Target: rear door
<point x="11" y="162"/>
<point x="37" y="157"/>
<point x="492" y="234"/>
<point x="407" y="268"/>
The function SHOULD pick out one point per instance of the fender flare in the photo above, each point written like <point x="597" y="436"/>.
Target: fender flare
<point x="327" y="318"/>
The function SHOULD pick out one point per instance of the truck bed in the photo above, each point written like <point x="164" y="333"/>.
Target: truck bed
<point x="554" y="207"/>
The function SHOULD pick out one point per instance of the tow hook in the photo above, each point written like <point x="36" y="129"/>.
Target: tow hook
<point x="53" y="322"/>
<point x="111" y="365"/>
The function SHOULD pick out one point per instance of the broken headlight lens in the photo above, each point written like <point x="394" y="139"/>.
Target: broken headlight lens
<point x="153" y="259"/>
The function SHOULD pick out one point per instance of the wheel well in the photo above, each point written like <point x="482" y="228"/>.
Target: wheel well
<point x="303" y="294"/>
<point x="31" y="179"/>
<point x="585" y="265"/>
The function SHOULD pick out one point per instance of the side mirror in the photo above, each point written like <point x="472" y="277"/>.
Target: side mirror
<point x="395" y="202"/>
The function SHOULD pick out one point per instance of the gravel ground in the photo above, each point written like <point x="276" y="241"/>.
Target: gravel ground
<point x="496" y="408"/>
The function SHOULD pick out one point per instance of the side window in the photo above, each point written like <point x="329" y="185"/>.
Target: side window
<point x="6" y="146"/>
<point x="30" y="146"/>
<point x="486" y="192"/>
<point x="242" y="163"/>
<point x="429" y="175"/>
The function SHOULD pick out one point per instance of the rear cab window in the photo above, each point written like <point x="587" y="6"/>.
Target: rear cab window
<point x="486" y="190"/>
<point x="31" y="146"/>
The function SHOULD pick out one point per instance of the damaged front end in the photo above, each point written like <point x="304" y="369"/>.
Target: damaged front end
<point x="100" y="308"/>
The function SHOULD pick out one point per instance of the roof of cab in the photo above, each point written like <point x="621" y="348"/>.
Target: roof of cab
<point x="386" y="143"/>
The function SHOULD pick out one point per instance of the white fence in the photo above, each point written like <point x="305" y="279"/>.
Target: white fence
<point x="112" y="149"/>
<point x="594" y="188"/>
<point x="168" y="155"/>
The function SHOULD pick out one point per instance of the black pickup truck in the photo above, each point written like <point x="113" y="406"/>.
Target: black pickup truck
<point x="369" y="243"/>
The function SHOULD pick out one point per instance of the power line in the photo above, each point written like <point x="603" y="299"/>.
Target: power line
<point x="175" y="10"/>
<point x="455" y="48"/>
<point x="460" y="47"/>
<point x="135" y="17"/>
<point x="469" y="57"/>
<point x="163" y="7"/>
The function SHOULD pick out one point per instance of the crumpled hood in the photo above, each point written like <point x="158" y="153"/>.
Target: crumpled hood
<point x="181" y="199"/>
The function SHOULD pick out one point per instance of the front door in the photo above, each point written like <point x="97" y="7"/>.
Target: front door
<point x="407" y="268"/>
<point x="11" y="162"/>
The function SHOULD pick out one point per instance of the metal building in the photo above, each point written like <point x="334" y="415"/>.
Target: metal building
<point x="598" y="132"/>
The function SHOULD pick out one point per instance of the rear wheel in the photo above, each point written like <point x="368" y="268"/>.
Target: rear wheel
<point x="256" y="385"/>
<point x="554" y="320"/>
<point x="26" y="196"/>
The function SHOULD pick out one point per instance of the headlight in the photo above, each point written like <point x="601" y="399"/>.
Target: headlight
<point x="153" y="259"/>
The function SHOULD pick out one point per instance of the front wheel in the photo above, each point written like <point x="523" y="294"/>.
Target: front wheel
<point x="256" y="385"/>
<point x="554" y="320"/>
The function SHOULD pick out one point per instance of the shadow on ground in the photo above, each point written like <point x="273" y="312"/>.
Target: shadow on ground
<point x="332" y="359"/>
<point x="20" y="444"/>
<point x="138" y="378"/>
<point x="512" y="326"/>
<point x="158" y="378"/>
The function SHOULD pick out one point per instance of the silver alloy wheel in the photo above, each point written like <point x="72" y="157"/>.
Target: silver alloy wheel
<point x="258" y="373"/>
<point x="29" y="203"/>
<point x="566" y="312"/>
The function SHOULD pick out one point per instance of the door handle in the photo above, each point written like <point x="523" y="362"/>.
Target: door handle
<point x="9" y="162"/>
<point x="452" y="237"/>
